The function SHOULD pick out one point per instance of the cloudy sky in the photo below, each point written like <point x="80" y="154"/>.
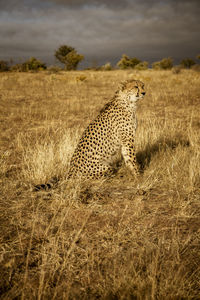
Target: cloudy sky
<point x="101" y="30"/>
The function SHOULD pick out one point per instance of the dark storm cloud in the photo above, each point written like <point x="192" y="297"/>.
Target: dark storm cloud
<point x="101" y="30"/>
<point x="81" y="3"/>
<point x="117" y="2"/>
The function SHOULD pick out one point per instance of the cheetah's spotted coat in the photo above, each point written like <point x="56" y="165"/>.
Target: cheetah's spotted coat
<point x="110" y="137"/>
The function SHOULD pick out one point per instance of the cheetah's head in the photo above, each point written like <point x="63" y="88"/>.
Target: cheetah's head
<point x="132" y="90"/>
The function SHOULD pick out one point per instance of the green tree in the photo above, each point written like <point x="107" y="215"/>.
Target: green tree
<point x="72" y="60"/>
<point x="69" y="57"/>
<point x="198" y="56"/>
<point x="187" y="63"/>
<point x="127" y="62"/>
<point x="62" y="52"/>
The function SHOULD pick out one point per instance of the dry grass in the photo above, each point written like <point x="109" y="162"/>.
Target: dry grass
<point x="115" y="239"/>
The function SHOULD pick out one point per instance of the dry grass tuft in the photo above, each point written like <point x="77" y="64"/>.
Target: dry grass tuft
<point x="49" y="157"/>
<point x="120" y="238"/>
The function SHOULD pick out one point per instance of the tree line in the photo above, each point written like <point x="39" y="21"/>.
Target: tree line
<point x="70" y="58"/>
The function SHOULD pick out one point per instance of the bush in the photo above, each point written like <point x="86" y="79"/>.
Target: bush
<point x="187" y="63"/>
<point x="4" y="66"/>
<point x="19" y="68"/>
<point x="177" y="69"/>
<point x="54" y="69"/>
<point x="81" y="78"/>
<point x="106" y="67"/>
<point x="142" y="66"/>
<point x="164" y="64"/>
<point x="156" y="65"/>
<point x="196" y="68"/>
<point x="127" y="62"/>
<point x="32" y="64"/>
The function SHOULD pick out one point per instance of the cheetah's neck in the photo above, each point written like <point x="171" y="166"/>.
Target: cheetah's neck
<point x="130" y="104"/>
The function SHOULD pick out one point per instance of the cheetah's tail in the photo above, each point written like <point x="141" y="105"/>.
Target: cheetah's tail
<point x="52" y="183"/>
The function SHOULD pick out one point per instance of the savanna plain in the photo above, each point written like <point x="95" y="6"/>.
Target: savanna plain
<point x="119" y="238"/>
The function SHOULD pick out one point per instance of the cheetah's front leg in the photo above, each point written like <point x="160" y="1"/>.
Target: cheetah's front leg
<point x="128" y="153"/>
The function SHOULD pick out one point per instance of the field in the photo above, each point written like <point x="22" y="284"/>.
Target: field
<point x="120" y="238"/>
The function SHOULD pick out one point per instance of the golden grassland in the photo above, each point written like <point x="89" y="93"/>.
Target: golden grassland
<point x="120" y="238"/>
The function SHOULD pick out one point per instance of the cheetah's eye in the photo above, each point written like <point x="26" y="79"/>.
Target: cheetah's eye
<point x="136" y="86"/>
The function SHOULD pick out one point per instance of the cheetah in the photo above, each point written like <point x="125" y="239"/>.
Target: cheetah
<point x="109" y="139"/>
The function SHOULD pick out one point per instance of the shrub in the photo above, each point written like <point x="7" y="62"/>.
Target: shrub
<point x="69" y="57"/>
<point x="156" y="65"/>
<point x="127" y="62"/>
<point x="187" y="63"/>
<point x="81" y="78"/>
<point x="19" y="68"/>
<point x="32" y="64"/>
<point x="164" y="64"/>
<point x="196" y="68"/>
<point x="4" y="66"/>
<point x="142" y="66"/>
<point x="106" y="67"/>
<point x="177" y="69"/>
<point x="54" y="69"/>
